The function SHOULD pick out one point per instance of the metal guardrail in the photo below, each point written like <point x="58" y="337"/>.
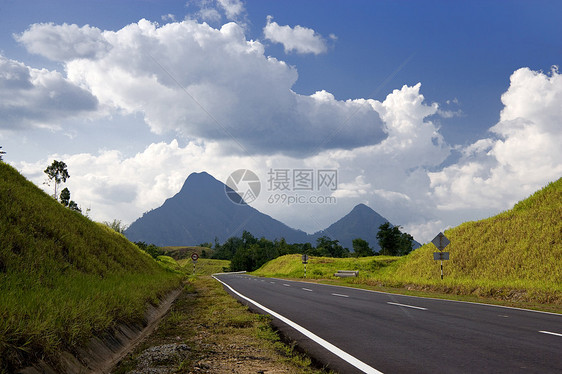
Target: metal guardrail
<point x="346" y="273"/>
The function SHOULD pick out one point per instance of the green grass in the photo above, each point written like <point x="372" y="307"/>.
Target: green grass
<point x="324" y="267"/>
<point x="514" y="256"/>
<point x="204" y="266"/>
<point x="64" y="278"/>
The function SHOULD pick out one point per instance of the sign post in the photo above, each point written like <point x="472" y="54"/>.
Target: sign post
<point x="194" y="258"/>
<point x="305" y="261"/>
<point x="441" y="241"/>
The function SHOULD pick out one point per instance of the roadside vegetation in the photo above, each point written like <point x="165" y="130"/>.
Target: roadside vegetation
<point x="64" y="278"/>
<point x="208" y="331"/>
<point x="248" y="253"/>
<point x="515" y="256"/>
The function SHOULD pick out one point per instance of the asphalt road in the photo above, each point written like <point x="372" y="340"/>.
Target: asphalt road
<point x="354" y="331"/>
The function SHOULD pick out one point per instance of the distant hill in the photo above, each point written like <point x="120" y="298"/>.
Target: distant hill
<point x="201" y="211"/>
<point x="63" y="277"/>
<point x="362" y="222"/>
<point x="523" y="244"/>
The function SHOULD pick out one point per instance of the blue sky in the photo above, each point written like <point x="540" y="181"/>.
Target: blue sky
<point x="283" y="85"/>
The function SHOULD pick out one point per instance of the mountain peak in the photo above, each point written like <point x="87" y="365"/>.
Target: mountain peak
<point x="202" y="211"/>
<point x="362" y="222"/>
<point x="361" y="207"/>
<point x="200" y="181"/>
<point x="200" y="177"/>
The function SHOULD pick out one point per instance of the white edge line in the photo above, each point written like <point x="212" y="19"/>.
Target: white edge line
<point x="551" y="333"/>
<point x="329" y="346"/>
<point x="407" y="306"/>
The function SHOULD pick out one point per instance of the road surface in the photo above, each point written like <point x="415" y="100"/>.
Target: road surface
<point x="355" y="331"/>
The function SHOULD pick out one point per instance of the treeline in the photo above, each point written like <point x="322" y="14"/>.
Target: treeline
<point x="151" y="249"/>
<point x="250" y="253"/>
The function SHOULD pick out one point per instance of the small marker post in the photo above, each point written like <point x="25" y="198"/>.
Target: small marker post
<point x="194" y="258"/>
<point x="305" y="261"/>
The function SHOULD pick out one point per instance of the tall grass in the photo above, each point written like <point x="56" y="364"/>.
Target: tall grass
<point x="64" y="278"/>
<point x="520" y="248"/>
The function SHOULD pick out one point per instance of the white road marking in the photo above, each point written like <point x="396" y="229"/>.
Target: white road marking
<point x="329" y="346"/>
<point x="407" y="306"/>
<point x="286" y="285"/>
<point x="307" y="289"/>
<point x="340" y="295"/>
<point x="272" y="282"/>
<point x="551" y="333"/>
<point x="429" y="298"/>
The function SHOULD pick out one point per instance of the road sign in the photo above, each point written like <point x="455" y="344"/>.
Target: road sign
<point x="194" y="257"/>
<point x="305" y="259"/>
<point x="440" y="241"/>
<point x="440" y="256"/>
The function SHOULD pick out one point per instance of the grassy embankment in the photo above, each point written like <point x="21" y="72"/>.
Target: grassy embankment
<point x="64" y="278"/>
<point x="223" y="335"/>
<point x="514" y="256"/>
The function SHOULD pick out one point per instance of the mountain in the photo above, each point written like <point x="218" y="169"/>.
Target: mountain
<point x="200" y="212"/>
<point x="362" y="222"/>
<point x="203" y="210"/>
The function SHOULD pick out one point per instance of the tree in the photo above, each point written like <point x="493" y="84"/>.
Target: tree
<point x="151" y="249"/>
<point x="248" y="239"/>
<point x="116" y="225"/>
<point x="73" y="206"/>
<point x="392" y="241"/>
<point x="65" y="197"/>
<point x="58" y="173"/>
<point x="406" y="243"/>
<point x="330" y="248"/>
<point x="361" y="248"/>
<point x="65" y="200"/>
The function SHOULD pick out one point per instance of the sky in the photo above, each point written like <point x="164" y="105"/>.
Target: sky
<point x="432" y="113"/>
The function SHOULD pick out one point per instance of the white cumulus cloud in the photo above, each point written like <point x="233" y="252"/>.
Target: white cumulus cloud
<point x="523" y="156"/>
<point x="31" y="98"/>
<point x="201" y="82"/>
<point x="297" y="39"/>
<point x="232" y="8"/>
<point x="63" y="42"/>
